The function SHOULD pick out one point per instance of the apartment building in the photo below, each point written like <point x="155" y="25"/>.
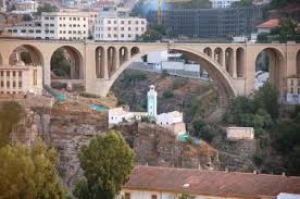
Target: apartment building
<point x="56" y="25"/>
<point x="118" y="26"/>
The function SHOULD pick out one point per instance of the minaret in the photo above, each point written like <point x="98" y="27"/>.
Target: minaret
<point x="152" y="102"/>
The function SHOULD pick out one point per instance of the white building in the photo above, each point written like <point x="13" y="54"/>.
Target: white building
<point x="222" y="3"/>
<point x="26" y="6"/>
<point x="238" y="133"/>
<point x="19" y="79"/>
<point x="116" y="26"/>
<point x="170" y="118"/>
<point x="56" y="25"/>
<point x="119" y="115"/>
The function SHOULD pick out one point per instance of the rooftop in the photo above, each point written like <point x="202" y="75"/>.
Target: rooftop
<point x="272" y="23"/>
<point x="211" y="183"/>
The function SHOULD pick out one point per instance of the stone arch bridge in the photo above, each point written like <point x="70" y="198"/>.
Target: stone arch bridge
<point x="98" y="64"/>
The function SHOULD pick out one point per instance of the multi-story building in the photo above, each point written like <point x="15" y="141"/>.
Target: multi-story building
<point x="55" y="25"/>
<point x="222" y="3"/>
<point x="26" y="6"/>
<point x="118" y="26"/>
<point x="17" y="80"/>
<point x="209" y="23"/>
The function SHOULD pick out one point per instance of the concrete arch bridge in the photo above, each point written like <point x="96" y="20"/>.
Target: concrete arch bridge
<point x="97" y="65"/>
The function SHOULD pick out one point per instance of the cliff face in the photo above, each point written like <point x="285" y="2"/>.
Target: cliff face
<point x="68" y="131"/>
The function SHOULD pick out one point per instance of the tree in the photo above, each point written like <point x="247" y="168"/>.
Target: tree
<point x="242" y="3"/>
<point x="29" y="172"/>
<point x="107" y="162"/>
<point x="59" y="64"/>
<point x="10" y="114"/>
<point x="25" y="57"/>
<point x="286" y="30"/>
<point x="267" y="98"/>
<point x="47" y="7"/>
<point x="185" y="195"/>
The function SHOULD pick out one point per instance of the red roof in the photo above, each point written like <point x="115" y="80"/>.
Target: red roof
<point x="211" y="183"/>
<point x="272" y="23"/>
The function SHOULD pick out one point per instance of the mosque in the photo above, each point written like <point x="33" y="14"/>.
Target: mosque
<point x="171" y="120"/>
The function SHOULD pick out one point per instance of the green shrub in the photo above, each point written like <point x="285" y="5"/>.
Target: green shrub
<point x="89" y="95"/>
<point x="168" y="94"/>
<point x="178" y="83"/>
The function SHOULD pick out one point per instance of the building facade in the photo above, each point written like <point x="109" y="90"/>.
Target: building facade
<point x="18" y="80"/>
<point x="26" y="6"/>
<point x="56" y="25"/>
<point x="116" y="26"/>
<point x="209" y="23"/>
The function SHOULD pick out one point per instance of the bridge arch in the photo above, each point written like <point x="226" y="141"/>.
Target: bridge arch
<point x="1" y="62"/>
<point x="219" y="55"/>
<point x="229" y="61"/>
<point x="123" y="54"/>
<point x="208" y="51"/>
<point x="240" y="62"/>
<point x="276" y="66"/>
<point x="74" y="58"/>
<point x="33" y="55"/>
<point x="219" y="76"/>
<point x="134" y="51"/>
<point x="298" y="63"/>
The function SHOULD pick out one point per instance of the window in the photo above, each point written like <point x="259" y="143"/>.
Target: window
<point x="129" y="22"/>
<point x="115" y="28"/>
<point x="38" y="31"/>
<point x="109" y="28"/>
<point x="129" y="35"/>
<point x="122" y="28"/>
<point x="137" y="29"/>
<point x="115" y="35"/>
<point x="14" y="73"/>
<point x="23" y="31"/>
<point x="20" y="74"/>
<point x="7" y="84"/>
<point x="14" y="84"/>
<point x="2" y="73"/>
<point x="74" y="18"/>
<point x="109" y="22"/>
<point x="122" y="22"/>
<point x="115" y="22"/>
<point x="108" y="35"/>
<point x="2" y="84"/>
<point x="7" y="73"/>
<point x="52" y="25"/>
<point x="52" y="31"/>
<point x="51" y="18"/>
<point x="129" y="28"/>
<point x="127" y="195"/>
<point x="20" y="84"/>
<point x="70" y="25"/>
<point x="74" y="25"/>
<point x="35" y="77"/>
<point x="136" y="22"/>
